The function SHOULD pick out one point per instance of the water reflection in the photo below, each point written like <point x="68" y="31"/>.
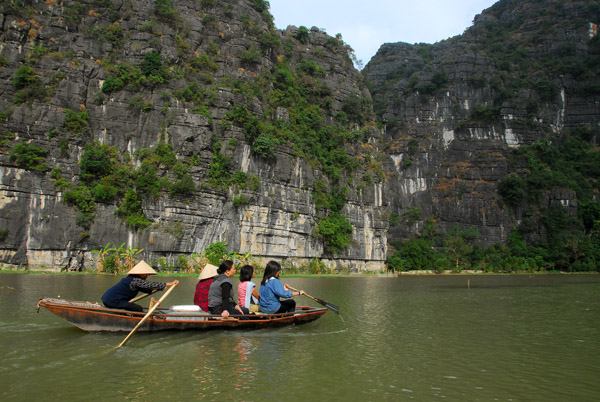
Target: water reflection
<point x="243" y="371"/>
<point x="424" y="339"/>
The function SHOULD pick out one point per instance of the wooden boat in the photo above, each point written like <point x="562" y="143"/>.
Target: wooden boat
<point x="94" y="317"/>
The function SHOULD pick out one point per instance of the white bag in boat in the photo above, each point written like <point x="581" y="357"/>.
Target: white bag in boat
<point x="189" y="307"/>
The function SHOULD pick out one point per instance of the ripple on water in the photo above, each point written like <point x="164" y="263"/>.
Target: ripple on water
<point x="19" y="327"/>
<point x="417" y="339"/>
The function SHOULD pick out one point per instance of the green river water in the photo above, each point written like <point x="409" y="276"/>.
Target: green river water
<point x="430" y="338"/>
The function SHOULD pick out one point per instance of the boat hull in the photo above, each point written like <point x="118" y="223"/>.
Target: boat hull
<point x="93" y="317"/>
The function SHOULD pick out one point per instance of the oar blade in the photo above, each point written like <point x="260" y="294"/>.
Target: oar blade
<point x="325" y="303"/>
<point x="329" y="305"/>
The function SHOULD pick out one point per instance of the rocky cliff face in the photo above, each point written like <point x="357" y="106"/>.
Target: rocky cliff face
<point x="168" y="126"/>
<point x="93" y="92"/>
<point x="455" y="111"/>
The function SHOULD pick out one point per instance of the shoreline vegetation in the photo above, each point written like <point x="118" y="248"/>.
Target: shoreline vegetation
<point x="414" y="262"/>
<point x="379" y="274"/>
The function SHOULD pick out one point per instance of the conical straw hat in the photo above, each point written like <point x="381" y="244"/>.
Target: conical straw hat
<point x="208" y="272"/>
<point x="142" y="268"/>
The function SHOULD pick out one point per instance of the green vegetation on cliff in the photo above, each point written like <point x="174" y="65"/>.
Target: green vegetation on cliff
<point x="167" y="61"/>
<point x="553" y="185"/>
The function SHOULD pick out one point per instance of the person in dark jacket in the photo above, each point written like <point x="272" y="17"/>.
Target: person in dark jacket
<point x="119" y="295"/>
<point x="220" y="294"/>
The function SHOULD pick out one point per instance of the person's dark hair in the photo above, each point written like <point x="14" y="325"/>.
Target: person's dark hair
<point x="225" y="266"/>
<point x="270" y="270"/>
<point x="246" y="273"/>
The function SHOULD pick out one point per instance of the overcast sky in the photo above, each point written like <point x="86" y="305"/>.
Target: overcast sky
<point x="366" y="25"/>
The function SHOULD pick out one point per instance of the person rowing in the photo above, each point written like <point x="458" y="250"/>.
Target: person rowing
<point x="271" y="290"/>
<point x="119" y="295"/>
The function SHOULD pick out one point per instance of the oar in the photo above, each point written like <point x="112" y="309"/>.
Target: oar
<point x="140" y="297"/>
<point x="148" y="314"/>
<point x="325" y="303"/>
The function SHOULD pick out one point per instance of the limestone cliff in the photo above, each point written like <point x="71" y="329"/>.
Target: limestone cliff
<point x="167" y="125"/>
<point x="456" y="110"/>
<point x="170" y="125"/>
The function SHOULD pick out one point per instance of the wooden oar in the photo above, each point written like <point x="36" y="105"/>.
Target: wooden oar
<point x="325" y="303"/>
<point x="140" y="297"/>
<point x="148" y="314"/>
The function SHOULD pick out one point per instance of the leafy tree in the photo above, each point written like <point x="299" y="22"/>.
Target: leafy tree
<point x="29" y="156"/>
<point x="240" y="201"/>
<point x="165" y="154"/>
<point x="396" y="263"/>
<point x="216" y="252"/>
<point x="427" y="88"/>
<point x="204" y="62"/>
<point x="336" y="231"/>
<point x="268" y="41"/>
<point x="431" y="233"/>
<point x="96" y="162"/>
<point x="131" y="211"/>
<point x="394" y="219"/>
<point x="76" y="123"/>
<point x="138" y="103"/>
<point x="412" y="215"/>
<point x="105" y="191"/>
<point x="512" y="190"/>
<point x="146" y="179"/>
<point x="28" y="85"/>
<point x="25" y="76"/>
<point x="123" y="75"/>
<point x="302" y="35"/>
<point x="546" y="89"/>
<point x="457" y="243"/>
<point x="260" y="5"/>
<point x="589" y="212"/>
<point x="485" y="114"/>
<point x="165" y="11"/>
<point x="220" y="170"/>
<point x="516" y="244"/>
<point x="183" y="186"/>
<point x="113" y="34"/>
<point x="418" y="254"/>
<point x="355" y="108"/>
<point x="250" y="56"/>
<point x="82" y="198"/>
<point x="311" y="68"/>
<point x="439" y="79"/>
<point x="152" y="66"/>
<point x="283" y="79"/>
<point x="264" y="145"/>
